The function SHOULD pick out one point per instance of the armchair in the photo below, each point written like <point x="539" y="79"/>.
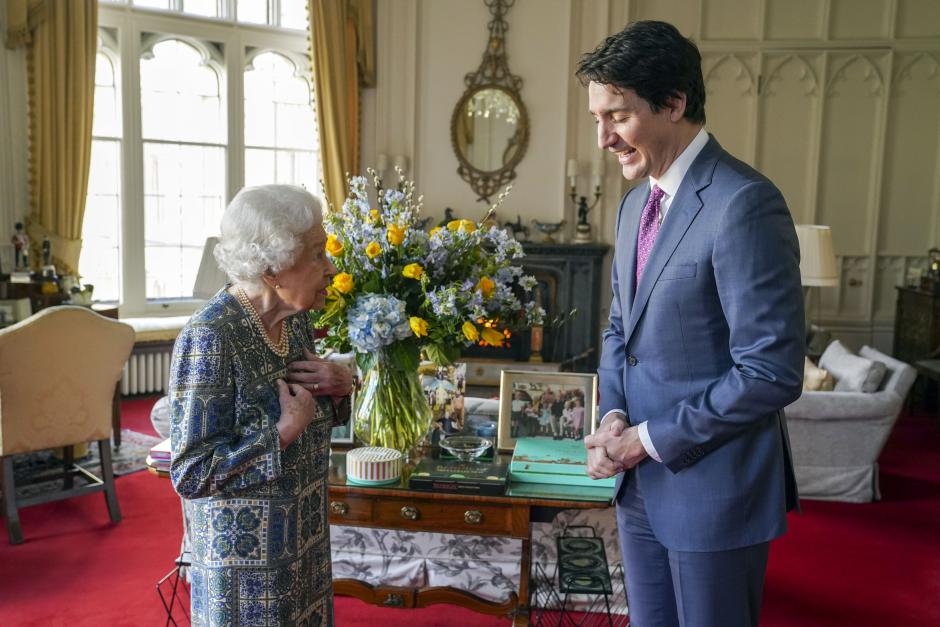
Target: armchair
<point x="836" y="437"/>
<point x="58" y="370"/>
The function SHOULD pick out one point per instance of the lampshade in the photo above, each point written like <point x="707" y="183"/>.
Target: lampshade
<point x="817" y="259"/>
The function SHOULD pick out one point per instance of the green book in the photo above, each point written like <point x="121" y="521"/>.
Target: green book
<point x="444" y="475"/>
<point x="545" y="460"/>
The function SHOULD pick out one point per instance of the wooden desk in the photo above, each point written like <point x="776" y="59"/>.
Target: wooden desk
<point x="398" y="507"/>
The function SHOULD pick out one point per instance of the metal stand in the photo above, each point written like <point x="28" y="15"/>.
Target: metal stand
<point x="173" y="597"/>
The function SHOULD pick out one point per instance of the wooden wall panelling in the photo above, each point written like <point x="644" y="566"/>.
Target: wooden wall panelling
<point x="730" y="20"/>
<point x="860" y="19"/>
<point x="683" y="14"/>
<point x="795" y="19"/>
<point x="788" y="127"/>
<point x="917" y="18"/>
<point x="731" y="101"/>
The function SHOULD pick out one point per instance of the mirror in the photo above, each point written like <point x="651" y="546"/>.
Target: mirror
<point x="489" y="128"/>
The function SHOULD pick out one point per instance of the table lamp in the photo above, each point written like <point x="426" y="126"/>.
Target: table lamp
<point x="817" y="260"/>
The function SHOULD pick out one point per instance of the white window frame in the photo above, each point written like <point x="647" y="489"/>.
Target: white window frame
<point x="137" y="27"/>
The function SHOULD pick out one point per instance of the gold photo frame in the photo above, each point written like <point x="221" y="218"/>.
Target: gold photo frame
<point x="546" y="405"/>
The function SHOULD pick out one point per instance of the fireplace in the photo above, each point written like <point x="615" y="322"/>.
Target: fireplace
<point x="568" y="277"/>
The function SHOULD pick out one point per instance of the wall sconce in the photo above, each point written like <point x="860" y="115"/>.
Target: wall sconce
<point x="401" y="162"/>
<point x="381" y="164"/>
<point x="582" y="233"/>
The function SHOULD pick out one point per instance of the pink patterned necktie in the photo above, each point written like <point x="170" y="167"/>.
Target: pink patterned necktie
<point x="649" y="229"/>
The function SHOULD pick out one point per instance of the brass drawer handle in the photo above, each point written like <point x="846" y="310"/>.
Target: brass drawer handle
<point x="339" y="508"/>
<point x="409" y="513"/>
<point x="473" y="517"/>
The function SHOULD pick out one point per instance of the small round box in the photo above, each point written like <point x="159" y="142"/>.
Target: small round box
<point x="373" y="465"/>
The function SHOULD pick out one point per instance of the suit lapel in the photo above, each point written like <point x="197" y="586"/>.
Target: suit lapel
<point x="630" y="228"/>
<point x="685" y="206"/>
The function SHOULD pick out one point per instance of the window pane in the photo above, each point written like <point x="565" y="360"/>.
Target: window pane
<point x="259" y="167"/>
<point x="100" y="260"/>
<point x="180" y="96"/>
<point x="183" y="202"/>
<point x="209" y="8"/>
<point x="294" y="14"/>
<point x="253" y="11"/>
<point x="153" y="4"/>
<point x="107" y="120"/>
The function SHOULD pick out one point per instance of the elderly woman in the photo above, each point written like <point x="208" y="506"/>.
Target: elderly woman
<point x="252" y="408"/>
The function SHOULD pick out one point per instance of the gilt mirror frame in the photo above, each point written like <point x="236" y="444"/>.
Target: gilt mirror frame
<point x="493" y="73"/>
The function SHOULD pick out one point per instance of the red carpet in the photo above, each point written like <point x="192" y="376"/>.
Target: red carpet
<point x="840" y="564"/>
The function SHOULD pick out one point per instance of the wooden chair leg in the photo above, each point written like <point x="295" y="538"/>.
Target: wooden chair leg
<point x="68" y="460"/>
<point x="9" y="501"/>
<point x="116" y="415"/>
<point x="107" y="473"/>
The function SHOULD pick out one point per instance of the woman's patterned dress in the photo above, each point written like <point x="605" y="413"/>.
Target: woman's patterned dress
<point x="257" y="521"/>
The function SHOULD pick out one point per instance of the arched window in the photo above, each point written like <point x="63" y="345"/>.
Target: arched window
<point x="100" y="261"/>
<point x="280" y="126"/>
<point x="184" y="144"/>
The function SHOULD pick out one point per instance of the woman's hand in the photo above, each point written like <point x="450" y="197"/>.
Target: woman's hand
<point x="320" y="377"/>
<point x="297" y="409"/>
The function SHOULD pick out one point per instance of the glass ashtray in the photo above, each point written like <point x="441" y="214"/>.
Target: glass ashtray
<point x="466" y="448"/>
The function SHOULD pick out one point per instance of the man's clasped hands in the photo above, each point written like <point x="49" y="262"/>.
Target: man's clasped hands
<point x="613" y="448"/>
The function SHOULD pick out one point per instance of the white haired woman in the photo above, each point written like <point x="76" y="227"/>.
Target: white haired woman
<point x="251" y="412"/>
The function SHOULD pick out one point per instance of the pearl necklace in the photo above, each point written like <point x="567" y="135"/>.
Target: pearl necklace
<point x="283" y="345"/>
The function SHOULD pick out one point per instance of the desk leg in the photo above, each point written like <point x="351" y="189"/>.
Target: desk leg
<point x="522" y="610"/>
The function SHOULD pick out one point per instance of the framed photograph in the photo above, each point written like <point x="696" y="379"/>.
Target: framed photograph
<point x="444" y="387"/>
<point x="344" y="435"/>
<point x="551" y="405"/>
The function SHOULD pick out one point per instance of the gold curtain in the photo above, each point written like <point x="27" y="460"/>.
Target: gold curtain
<point x="342" y="56"/>
<point x="62" y="42"/>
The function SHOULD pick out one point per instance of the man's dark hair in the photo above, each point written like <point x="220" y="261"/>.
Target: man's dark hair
<point x="654" y="60"/>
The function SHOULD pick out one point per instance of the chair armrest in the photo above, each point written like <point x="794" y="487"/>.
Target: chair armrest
<point x="844" y="405"/>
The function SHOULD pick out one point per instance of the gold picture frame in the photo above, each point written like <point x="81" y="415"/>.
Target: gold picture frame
<point x="536" y="404"/>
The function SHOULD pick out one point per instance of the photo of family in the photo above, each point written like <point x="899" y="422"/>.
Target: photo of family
<point x="444" y="387"/>
<point x="559" y="406"/>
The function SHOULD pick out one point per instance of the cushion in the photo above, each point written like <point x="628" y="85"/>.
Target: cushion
<point x="851" y="372"/>
<point x="816" y="379"/>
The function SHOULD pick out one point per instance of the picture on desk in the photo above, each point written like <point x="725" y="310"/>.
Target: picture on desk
<point x="551" y="405"/>
<point x="444" y="387"/>
<point x="344" y="434"/>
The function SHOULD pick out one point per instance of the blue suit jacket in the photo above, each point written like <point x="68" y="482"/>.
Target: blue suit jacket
<point x="708" y="351"/>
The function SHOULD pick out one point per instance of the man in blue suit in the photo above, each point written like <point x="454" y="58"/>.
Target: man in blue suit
<point x="704" y="346"/>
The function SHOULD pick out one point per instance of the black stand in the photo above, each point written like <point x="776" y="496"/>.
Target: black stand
<point x="171" y="591"/>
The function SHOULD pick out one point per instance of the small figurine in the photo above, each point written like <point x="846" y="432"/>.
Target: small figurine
<point x="519" y="231"/>
<point x="583" y="210"/>
<point x="21" y="244"/>
<point x="448" y="217"/>
<point x="46" y="252"/>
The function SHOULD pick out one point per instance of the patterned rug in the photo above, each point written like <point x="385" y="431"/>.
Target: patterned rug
<point x="130" y="457"/>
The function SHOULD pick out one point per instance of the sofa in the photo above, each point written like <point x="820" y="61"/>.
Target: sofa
<point x="837" y="436"/>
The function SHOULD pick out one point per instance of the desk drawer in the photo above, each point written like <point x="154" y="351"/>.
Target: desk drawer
<point x="443" y="516"/>
<point x="349" y="509"/>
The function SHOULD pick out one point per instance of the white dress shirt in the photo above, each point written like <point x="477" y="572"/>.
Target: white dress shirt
<point x="669" y="183"/>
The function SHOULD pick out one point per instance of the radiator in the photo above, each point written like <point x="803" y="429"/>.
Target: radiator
<point x="147" y="372"/>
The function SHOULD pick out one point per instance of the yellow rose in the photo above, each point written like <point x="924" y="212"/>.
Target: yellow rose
<point x="486" y="286"/>
<point x="435" y="230"/>
<point x="492" y="337"/>
<point x="470" y="331"/>
<point x="374" y="215"/>
<point x="412" y="271"/>
<point x="333" y="245"/>
<point x="468" y="226"/>
<point x="343" y="282"/>
<point x="418" y="325"/>
<point x="453" y="225"/>
<point x="373" y="250"/>
<point x="395" y="235"/>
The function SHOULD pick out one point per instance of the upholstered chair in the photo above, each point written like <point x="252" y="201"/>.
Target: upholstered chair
<point x="58" y="371"/>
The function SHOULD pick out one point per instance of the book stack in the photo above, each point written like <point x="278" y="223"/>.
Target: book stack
<point x="558" y="462"/>
<point x="159" y="458"/>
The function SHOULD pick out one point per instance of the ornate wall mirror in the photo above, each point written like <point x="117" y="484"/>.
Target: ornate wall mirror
<point x="490" y="127"/>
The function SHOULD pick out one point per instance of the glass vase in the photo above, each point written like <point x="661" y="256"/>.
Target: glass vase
<point x="391" y="409"/>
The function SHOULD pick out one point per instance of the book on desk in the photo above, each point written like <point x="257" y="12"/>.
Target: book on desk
<point x="445" y="475"/>
<point x="558" y="462"/>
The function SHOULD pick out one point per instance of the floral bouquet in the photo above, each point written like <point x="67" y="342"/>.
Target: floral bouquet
<point x="401" y="291"/>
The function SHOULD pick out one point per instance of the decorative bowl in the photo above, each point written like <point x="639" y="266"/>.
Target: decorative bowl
<point x="547" y="229"/>
<point x="466" y="448"/>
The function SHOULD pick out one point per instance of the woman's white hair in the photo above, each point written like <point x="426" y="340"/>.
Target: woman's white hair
<point x="262" y="230"/>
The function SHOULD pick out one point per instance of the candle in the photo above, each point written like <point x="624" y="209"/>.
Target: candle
<point x="572" y="168"/>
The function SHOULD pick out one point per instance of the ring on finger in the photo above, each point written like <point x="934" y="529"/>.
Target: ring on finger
<point x="316" y="386"/>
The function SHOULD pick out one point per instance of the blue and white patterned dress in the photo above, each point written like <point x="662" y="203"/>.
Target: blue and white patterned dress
<point x="257" y="520"/>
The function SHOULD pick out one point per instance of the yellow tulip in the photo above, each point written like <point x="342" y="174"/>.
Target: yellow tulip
<point x="343" y="282"/>
<point x="395" y="235"/>
<point x="470" y="331"/>
<point x="486" y="286"/>
<point x="492" y="337"/>
<point x="453" y="225"/>
<point x="418" y="325"/>
<point x="373" y="250"/>
<point x="412" y="271"/>
<point x="333" y="245"/>
<point x="435" y="230"/>
<point x="468" y="226"/>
